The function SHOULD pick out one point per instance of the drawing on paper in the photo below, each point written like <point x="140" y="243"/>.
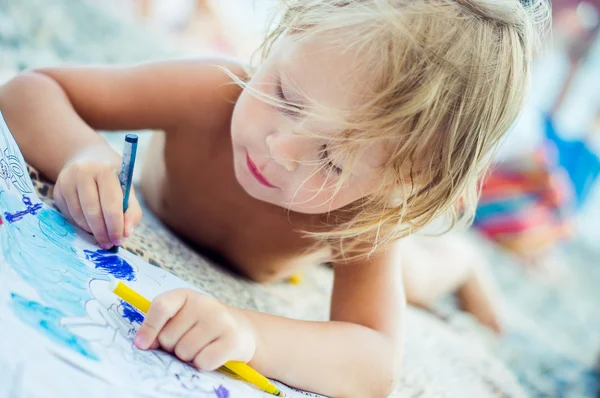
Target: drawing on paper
<point x="55" y="301"/>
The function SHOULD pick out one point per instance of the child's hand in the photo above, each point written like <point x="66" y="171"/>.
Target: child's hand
<point x="198" y="329"/>
<point x="88" y="192"/>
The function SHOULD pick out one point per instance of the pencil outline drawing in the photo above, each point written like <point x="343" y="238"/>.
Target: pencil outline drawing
<point x="59" y="291"/>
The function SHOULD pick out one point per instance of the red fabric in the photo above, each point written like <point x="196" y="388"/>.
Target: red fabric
<point x="525" y="205"/>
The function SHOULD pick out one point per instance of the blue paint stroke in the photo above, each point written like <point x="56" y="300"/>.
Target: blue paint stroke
<point x="41" y="251"/>
<point x="131" y="314"/>
<point x="47" y="320"/>
<point x="111" y="263"/>
<point x="18" y="215"/>
<point x="221" y="392"/>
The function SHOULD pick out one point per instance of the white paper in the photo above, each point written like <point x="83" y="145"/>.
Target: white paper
<point x="62" y="332"/>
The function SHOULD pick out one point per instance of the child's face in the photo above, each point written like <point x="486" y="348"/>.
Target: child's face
<point x="273" y="143"/>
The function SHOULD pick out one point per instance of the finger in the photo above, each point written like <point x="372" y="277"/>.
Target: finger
<point x="90" y="203"/>
<point x="163" y="308"/>
<point x="133" y="215"/>
<point x="176" y="327"/>
<point x="154" y="345"/>
<point x="190" y="345"/>
<point x="74" y="211"/>
<point x="216" y="353"/>
<point x="111" y="199"/>
<point x="61" y="204"/>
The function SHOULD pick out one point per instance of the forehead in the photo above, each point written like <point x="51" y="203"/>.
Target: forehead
<point x="323" y="71"/>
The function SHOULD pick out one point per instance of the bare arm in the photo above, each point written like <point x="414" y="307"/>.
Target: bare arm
<point x="357" y="353"/>
<point x="53" y="112"/>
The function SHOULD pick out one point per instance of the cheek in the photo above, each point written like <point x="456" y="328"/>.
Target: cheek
<point x="250" y="115"/>
<point x="240" y="114"/>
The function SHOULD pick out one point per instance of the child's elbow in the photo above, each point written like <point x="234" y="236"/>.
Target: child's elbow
<point x="380" y="386"/>
<point x="26" y="81"/>
<point x="23" y="89"/>
<point x="382" y="381"/>
<point x="388" y="381"/>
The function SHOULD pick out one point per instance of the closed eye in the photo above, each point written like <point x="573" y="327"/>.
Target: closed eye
<point x="289" y="109"/>
<point x="329" y="165"/>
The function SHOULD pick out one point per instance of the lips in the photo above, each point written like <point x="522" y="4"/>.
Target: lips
<point x="257" y="174"/>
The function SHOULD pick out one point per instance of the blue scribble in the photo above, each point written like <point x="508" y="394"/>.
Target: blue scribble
<point x="18" y="215"/>
<point x="111" y="263"/>
<point x="40" y="250"/>
<point x="131" y="314"/>
<point x="47" y="320"/>
<point x="221" y="392"/>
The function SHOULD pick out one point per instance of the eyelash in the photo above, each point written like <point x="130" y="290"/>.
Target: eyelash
<point x="329" y="165"/>
<point x="286" y="111"/>
<point x="324" y="152"/>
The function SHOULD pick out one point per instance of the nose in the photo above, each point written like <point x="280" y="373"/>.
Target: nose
<point x="288" y="149"/>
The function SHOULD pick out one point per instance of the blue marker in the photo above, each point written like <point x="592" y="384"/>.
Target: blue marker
<point x="126" y="174"/>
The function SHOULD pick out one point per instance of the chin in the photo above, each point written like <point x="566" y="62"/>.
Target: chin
<point x="307" y="209"/>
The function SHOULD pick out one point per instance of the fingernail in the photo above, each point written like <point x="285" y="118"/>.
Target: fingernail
<point x="139" y="341"/>
<point x="117" y="242"/>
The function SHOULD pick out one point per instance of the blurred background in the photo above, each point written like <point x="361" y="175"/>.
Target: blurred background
<point x="564" y="97"/>
<point x="540" y="205"/>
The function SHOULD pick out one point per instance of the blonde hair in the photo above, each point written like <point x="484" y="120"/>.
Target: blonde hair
<point x="448" y="80"/>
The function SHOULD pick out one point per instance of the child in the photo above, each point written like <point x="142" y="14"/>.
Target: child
<point x="365" y="121"/>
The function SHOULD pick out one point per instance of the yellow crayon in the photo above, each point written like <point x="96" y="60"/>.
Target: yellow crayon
<point x="252" y="376"/>
<point x="241" y="369"/>
<point x="295" y="279"/>
<point x="130" y="296"/>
